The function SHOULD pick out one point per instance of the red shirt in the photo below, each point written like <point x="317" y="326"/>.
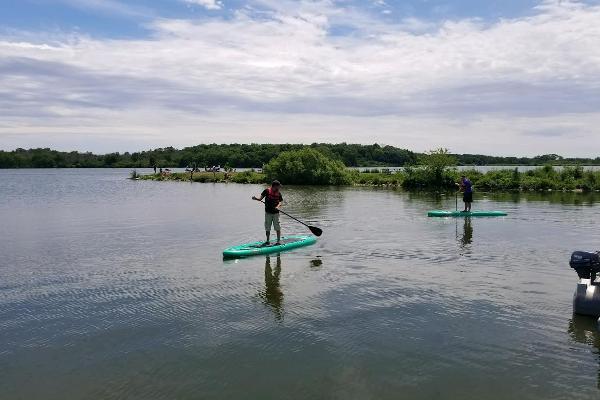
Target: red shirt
<point x="272" y="200"/>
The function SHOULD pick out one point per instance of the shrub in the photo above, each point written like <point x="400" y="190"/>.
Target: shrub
<point x="436" y="164"/>
<point x="247" y="177"/>
<point x="435" y="172"/>
<point x="498" y="180"/>
<point x="516" y="179"/>
<point x="179" y="176"/>
<point x="590" y="181"/>
<point x="548" y="169"/>
<point x="201" y="178"/>
<point x="307" y="167"/>
<point x="415" y="178"/>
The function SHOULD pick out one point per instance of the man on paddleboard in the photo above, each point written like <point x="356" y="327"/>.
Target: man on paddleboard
<point x="273" y="200"/>
<point x="466" y="187"/>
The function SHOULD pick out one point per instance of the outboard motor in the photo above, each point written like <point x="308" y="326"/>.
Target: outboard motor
<point x="586" y="264"/>
<point x="586" y="299"/>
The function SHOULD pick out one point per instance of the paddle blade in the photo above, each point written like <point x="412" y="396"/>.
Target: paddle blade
<point x="316" y="231"/>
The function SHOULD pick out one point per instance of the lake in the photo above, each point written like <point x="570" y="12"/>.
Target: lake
<point x="114" y="289"/>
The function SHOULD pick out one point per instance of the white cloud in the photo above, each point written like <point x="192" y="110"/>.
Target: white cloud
<point x="274" y="72"/>
<point x="208" y="4"/>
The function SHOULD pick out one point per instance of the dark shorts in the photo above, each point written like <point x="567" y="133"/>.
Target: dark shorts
<point x="468" y="197"/>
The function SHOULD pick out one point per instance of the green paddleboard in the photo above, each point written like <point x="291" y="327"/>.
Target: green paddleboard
<point x="256" y="248"/>
<point x="442" y="213"/>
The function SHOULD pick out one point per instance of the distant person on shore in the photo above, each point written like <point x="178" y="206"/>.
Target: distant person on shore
<point x="466" y="187"/>
<point x="273" y="200"/>
<point x="154" y="169"/>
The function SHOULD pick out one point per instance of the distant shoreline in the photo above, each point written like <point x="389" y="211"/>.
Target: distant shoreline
<point x="257" y="155"/>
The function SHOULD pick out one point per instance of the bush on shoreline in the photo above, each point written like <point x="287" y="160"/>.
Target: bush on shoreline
<point x="539" y="179"/>
<point x="307" y="167"/>
<point x="435" y="172"/>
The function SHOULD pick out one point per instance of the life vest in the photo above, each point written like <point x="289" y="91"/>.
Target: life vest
<point x="274" y="197"/>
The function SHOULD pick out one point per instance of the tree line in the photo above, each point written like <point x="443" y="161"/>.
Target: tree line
<point x="253" y="156"/>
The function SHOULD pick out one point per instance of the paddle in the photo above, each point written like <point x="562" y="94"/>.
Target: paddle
<point x="456" y="201"/>
<point x="316" y="231"/>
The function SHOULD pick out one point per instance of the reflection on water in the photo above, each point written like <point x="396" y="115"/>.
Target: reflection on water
<point x="442" y="200"/>
<point x="585" y="329"/>
<point x="272" y="295"/>
<point x="307" y="201"/>
<point x="467" y="233"/>
<point x="434" y="199"/>
<point x="564" y="198"/>
<point x="317" y="262"/>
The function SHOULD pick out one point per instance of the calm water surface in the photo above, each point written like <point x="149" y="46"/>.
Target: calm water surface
<point x="114" y="289"/>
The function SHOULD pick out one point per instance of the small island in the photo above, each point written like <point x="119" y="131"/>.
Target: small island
<point x="435" y="170"/>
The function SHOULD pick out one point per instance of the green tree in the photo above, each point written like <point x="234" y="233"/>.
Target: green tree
<point x="307" y="167"/>
<point x="436" y="163"/>
<point x="515" y="179"/>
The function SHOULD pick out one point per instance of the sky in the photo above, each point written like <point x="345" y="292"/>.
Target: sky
<point x="505" y="77"/>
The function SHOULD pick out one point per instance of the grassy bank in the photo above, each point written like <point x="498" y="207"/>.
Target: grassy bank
<point x="540" y="179"/>
<point x="209" y="177"/>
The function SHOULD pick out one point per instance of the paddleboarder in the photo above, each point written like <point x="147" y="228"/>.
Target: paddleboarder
<point x="273" y="200"/>
<point x="466" y="187"/>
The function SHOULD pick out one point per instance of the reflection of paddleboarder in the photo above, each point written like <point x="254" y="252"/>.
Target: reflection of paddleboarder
<point x="467" y="236"/>
<point x="466" y="187"/>
<point x="273" y="296"/>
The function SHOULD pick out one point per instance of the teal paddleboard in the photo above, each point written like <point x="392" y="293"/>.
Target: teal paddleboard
<point x="256" y="248"/>
<point x="442" y="213"/>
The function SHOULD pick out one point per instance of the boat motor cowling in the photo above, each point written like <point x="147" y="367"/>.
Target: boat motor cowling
<point x="586" y="264"/>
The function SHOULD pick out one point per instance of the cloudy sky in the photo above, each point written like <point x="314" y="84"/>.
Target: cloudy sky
<point x="506" y="77"/>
